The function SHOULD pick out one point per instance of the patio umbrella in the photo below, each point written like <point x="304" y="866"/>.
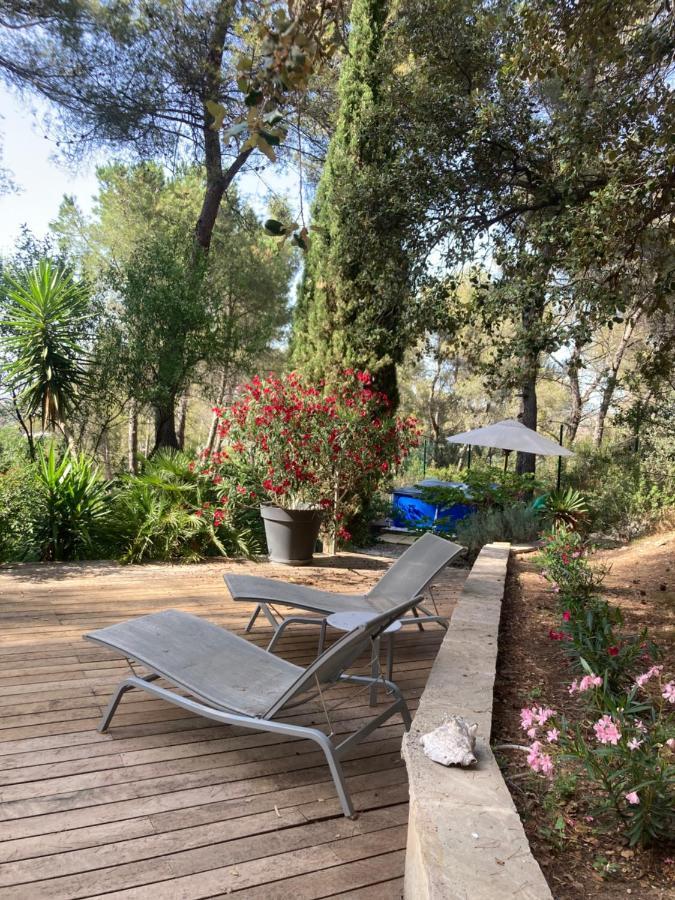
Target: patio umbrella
<point x="511" y="435"/>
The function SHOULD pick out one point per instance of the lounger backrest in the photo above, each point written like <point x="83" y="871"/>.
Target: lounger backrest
<point x="413" y="570"/>
<point x="328" y="667"/>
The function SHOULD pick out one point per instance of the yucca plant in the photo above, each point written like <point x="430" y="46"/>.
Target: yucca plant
<point x="76" y="505"/>
<point x="567" y="507"/>
<point x="44" y="320"/>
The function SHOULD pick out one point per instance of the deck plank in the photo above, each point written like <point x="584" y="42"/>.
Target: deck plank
<point x="167" y="804"/>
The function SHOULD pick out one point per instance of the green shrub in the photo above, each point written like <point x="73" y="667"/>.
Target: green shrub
<point x="159" y="514"/>
<point x="22" y="507"/>
<point x="518" y="523"/>
<point x="566" y="507"/>
<point x="626" y="494"/>
<point x="488" y="486"/>
<point x="75" y="506"/>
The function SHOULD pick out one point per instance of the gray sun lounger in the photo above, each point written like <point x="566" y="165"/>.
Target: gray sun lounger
<point x="405" y="580"/>
<point x="237" y="683"/>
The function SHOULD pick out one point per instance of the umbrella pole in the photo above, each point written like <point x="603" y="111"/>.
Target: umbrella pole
<point x="506" y="459"/>
<point x="559" y="478"/>
<point x="468" y="461"/>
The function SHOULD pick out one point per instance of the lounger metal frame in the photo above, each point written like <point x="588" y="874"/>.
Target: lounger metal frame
<point x="323" y="670"/>
<point x="419" y="612"/>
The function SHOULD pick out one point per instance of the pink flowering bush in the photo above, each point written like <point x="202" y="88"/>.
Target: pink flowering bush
<point x="625" y="746"/>
<point x="313" y="445"/>
<point x="623" y="739"/>
<point x="590" y="628"/>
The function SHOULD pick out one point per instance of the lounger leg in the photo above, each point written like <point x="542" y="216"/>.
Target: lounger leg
<point x="390" y="658"/>
<point x="322" y="637"/>
<point x="340" y="785"/>
<point x="251" y="621"/>
<point x="111" y="708"/>
<point x="375" y="671"/>
<point x="417" y="615"/>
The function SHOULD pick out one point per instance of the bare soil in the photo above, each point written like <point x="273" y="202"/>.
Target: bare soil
<point x="590" y="860"/>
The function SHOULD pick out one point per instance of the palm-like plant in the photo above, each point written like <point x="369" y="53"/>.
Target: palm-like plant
<point x="76" y="504"/>
<point x="44" y="320"/>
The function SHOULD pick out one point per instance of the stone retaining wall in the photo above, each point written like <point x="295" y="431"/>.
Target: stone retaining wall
<point x="465" y="837"/>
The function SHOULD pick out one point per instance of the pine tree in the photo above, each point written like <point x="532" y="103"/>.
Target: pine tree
<point x="351" y="304"/>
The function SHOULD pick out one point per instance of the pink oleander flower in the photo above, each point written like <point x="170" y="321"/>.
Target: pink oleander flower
<point x="589" y="681"/>
<point x="613" y="651"/>
<point x="532" y="733"/>
<point x="634" y="743"/>
<point x="640" y="726"/>
<point x="668" y="692"/>
<point x="566" y="616"/>
<point x="670" y="743"/>
<point x="556" y="635"/>
<point x="556" y="587"/>
<point x="542" y="715"/>
<point x="552" y="735"/>
<point x="632" y="798"/>
<point x="526" y="718"/>
<point x="586" y="683"/>
<point x="576" y="554"/>
<point x="538" y="761"/>
<point x="654" y="672"/>
<point x="606" y="731"/>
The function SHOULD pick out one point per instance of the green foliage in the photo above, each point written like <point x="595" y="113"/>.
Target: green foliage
<point x="518" y="523"/>
<point x="172" y="322"/>
<point x="626" y="493"/>
<point x="352" y="302"/>
<point x="22" y="502"/>
<point x="567" y="507"/>
<point x="75" y="505"/>
<point x="159" y="515"/>
<point x="44" y="317"/>
<point x="488" y="487"/>
<point x="591" y="632"/>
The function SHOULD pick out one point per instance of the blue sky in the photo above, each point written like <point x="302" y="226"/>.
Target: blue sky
<point x="42" y="177"/>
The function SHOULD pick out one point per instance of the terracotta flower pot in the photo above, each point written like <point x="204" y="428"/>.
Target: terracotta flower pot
<point x="291" y="534"/>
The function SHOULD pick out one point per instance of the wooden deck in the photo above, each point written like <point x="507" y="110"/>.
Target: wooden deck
<point x="169" y="805"/>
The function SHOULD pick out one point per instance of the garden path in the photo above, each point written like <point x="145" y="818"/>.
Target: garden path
<point x="169" y="805"/>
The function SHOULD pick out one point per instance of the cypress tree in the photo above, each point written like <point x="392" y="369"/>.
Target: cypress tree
<point x="351" y="303"/>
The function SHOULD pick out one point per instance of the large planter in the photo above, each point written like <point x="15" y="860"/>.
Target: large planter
<point x="291" y="534"/>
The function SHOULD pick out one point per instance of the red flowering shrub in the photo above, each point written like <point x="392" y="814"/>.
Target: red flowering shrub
<point x="314" y="446"/>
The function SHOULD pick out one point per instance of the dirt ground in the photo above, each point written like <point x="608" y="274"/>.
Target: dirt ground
<point x="587" y="861"/>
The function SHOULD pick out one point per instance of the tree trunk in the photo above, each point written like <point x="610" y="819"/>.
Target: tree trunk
<point x="576" y="404"/>
<point x="526" y="462"/>
<point x="107" y="467"/>
<point x="531" y="322"/>
<point x="165" y="426"/>
<point x="613" y="378"/>
<point x="182" y="418"/>
<point x="132" y="452"/>
<point x="217" y="181"/>
<point x="210" y="444"/>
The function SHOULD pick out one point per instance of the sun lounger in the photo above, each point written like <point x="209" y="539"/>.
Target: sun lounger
<point x="235" y="682"/>
<point x="406" y="579"/>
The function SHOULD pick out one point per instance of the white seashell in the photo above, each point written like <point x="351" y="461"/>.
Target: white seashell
<point x="451" y="744"/>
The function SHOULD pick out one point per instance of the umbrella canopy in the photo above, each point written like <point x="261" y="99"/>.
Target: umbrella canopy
<point x="511" y="435"/>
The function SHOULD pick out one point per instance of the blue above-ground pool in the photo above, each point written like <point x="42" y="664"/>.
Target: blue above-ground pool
<point x="411" y="511"/>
